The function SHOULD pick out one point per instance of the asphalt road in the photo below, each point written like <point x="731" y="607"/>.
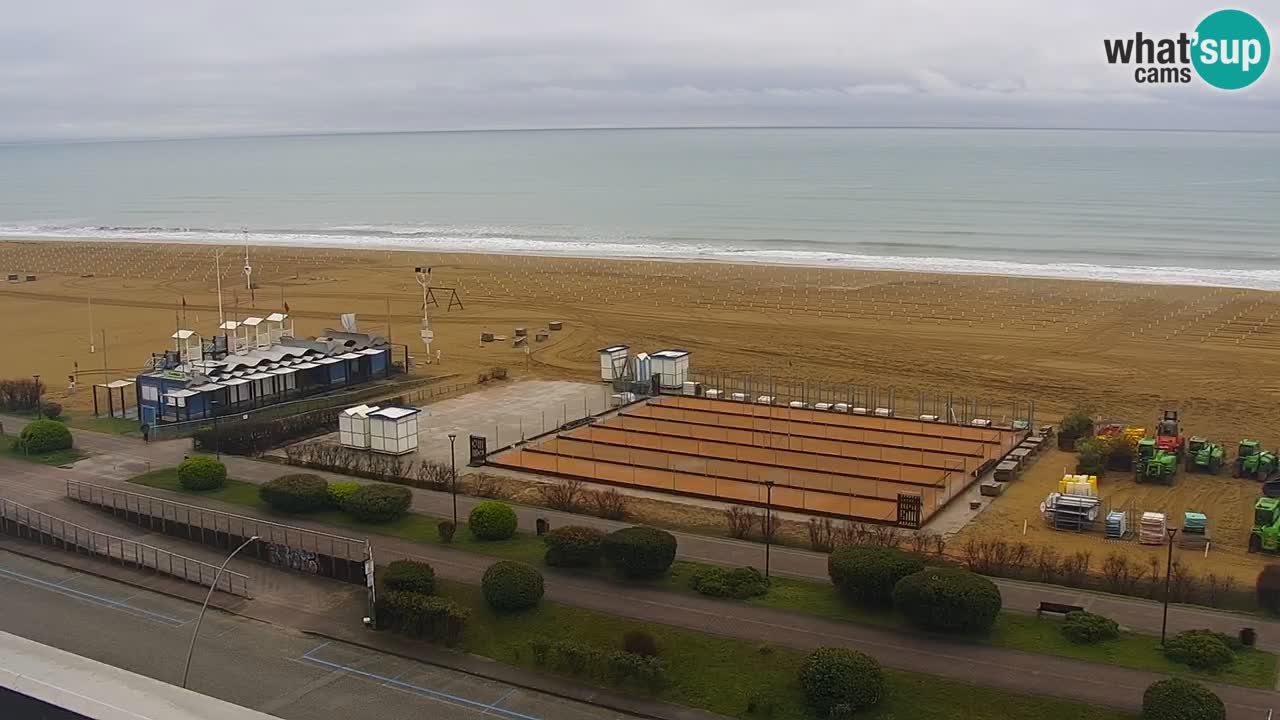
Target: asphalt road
<point x="253" y="664"/>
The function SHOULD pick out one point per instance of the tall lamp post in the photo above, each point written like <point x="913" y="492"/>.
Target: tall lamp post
<point x="1168" y="570"/>
<point x="194" y="633"/>
<point x="39" y="409"/>
<point x="768" y="523"/>
<point x="453" y="477"/>
<point x="217" y="439"/>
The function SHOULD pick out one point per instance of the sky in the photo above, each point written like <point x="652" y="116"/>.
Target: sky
<point x="150" y="69"/>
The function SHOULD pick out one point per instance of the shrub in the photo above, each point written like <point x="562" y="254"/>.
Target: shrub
<point x="340" y="491"/>
<point x="51" y="410"/>
<point x="609" y="504"/>
<point x="446" y="529"/>
<point x="419" y="615"/>
<point x="1093" y="455"/>
<point x="509" y="586"/>
<point x="738" y="583"/>
<point x="409" y="576"/>
<point x="629" y="668"/>
<point x="201" y="473"/>
<point x="948" y="600"/>
<point x="1199" y="649"/>
<point x="574" y="658"/>
<point x="296" y="493"/>
<point x="639" y="642"/>
<point x="640" y="552"/>
<point x="492" y="520"/>
<point x="1178" y="699"/>
<point x="20" y="394"/>
<point x="564" y="495"/>
<point x="44" y="436"/>
<point x="867" y="575"/>
<point x="573" y="546"/>
<point x="1268" y="588"/>
<point x="1086" y="628"/>
<point x="378" y="503"/>
<point x="838" y="676"/>
<point x="1077" y="423"/>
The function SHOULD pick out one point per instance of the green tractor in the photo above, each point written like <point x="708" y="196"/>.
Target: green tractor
<point x="1266" y="526"/>
<point x="1254" y="462"/>
<point x="1204" y="455"/>
<point x="1151" y="464"/>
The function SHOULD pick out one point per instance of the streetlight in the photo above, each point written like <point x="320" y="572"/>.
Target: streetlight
<point x="39" y="410"/>
<point x="205" y="606"/>
<point x="1168" y="570"/>
<point x="217" y="439"/>
<point x="453" y="477"/>
<point x="768" y="523"/>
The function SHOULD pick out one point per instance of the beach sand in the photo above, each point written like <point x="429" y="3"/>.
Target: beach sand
<point x="1126" y="350"/>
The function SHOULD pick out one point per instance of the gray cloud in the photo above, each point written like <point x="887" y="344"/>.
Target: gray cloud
<point x="156" y="69"/>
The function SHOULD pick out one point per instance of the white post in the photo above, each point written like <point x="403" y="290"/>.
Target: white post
<point x="213" y="586"/>
<point x="91" y="346"/>
<point x="217" y="259"/>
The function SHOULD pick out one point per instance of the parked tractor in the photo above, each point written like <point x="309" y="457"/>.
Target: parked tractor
<point x="1169" y="434"/>
<point x="1151" y="464"/>
<point x="1266" y="526"/>
<point x="1203" y="455"/>
<point x="1254" y="462"/>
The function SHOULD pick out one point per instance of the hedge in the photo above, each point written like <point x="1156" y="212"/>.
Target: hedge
<point x="425" y="616"/>
<point x="409" y="576"/>
<point x="296" y="493"/>
<point x="948" y="600"/>
<point x="738" y="583"/>
<point x="1200" y="649"/>
<point x="339" y="491"/>
<point x="573" y="546"/>
<point x="492" y="520"/>
<point x="44" y="436"/>
<point x="1086" y="628"/>
<point x="867" y="575"/>
<point x="640" y="552"/>
<point x="833" y="676"/>
<point x="378" y="503"/>
<point x="618" y="666"/>
<point x="1178" y="699"/>
<point x="201" y="472"/>
<point x="509" y="586"/>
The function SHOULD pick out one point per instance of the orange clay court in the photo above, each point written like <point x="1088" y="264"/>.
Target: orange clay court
<point x="855" y="466"/>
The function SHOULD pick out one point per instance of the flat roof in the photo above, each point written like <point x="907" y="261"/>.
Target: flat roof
<point x="671" y="353"/>
<point x="183" y="334"/>
<point x="394" y="413"/>
<point x="614" y="348"/>
<point x="252" y="321"/>
<point x="277" y="317"/>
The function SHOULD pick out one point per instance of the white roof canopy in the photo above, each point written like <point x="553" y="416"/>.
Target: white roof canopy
<point x="229" y="325"/>
<point x="182" y="334"/>
<point x="277" y="317"/>
<point x="252" y="321"/>
<point x="394" y="413"/>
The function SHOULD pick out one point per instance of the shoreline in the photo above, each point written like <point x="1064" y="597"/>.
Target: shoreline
<point x="1261" y="280"/>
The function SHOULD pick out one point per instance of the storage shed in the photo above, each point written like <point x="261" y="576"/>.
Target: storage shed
<point x="353" y="426"/>
<point x="394" y="430"/>
<point x="613" y="362"/>
<point x="672" y="367"/>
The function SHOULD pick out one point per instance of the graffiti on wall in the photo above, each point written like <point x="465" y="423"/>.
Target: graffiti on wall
<point x="293" y="558"/>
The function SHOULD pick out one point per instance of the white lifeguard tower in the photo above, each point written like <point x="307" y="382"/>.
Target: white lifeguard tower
<point x="353" y="426"/>
<point x="672" y="367"/>
<point x="255" y="333"/>
<point x="187" y="343"/>
<point x="613" y="362"/>
<point x="229" y="330"/>
<point x="279" y="326"/>
<point x="393" y="430"/>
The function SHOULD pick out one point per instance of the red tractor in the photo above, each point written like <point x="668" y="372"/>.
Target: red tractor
<point x="1169" y="434"/>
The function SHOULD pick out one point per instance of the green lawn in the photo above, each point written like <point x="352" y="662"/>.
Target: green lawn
<point x="1014" y="631"/>
<point x="723" y="674"/>
<point x="57" y="457"/>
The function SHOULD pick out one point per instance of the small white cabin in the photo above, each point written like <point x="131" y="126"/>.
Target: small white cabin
<point x="394" y="430"/>
<point x="671" y="367"/>
<point x="353" y="426"/>
<point x="613" y="362"/>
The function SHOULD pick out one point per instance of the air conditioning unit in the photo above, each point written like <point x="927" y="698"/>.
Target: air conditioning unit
<point x="796" y="404"/>
<point x="713" y="393"/>
<point x="738" y="397"/>
<point x="929" y="418"/>
<point x="764" y="400"/>
<point x="822" y="406"/>
<point x="841" y="407"/>
<point x="980" y="422"/>
<point x="858" y="411"/>
<point x="884" y="412"/>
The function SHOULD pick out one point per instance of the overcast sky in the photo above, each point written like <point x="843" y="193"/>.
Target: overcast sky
<point x="148" y="68"/>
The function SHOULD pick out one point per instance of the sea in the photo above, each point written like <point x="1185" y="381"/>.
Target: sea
<point x="1162" y="207"/>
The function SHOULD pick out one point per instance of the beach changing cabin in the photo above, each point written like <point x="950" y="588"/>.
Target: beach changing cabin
<point x="671" y="367"/>
<point x="393" y="430"/>
<point x="613" y="362"/>
<point x="353" y="426"/>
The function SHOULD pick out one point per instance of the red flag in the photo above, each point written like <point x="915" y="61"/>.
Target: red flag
<point x="184" y="302"/>
<point x="286" y="308"/>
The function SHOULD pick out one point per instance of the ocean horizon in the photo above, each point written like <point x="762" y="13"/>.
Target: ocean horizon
<point x="1198" y="208"/>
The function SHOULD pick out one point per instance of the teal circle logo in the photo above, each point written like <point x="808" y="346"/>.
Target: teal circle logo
<point x="1231" y="49"/>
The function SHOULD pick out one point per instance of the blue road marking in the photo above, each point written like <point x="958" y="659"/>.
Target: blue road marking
<point x="120" y="605"/>
<point x="484" y="708"/>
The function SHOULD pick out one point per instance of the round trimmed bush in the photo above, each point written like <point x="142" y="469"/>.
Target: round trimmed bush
<point x="640" y="552"/>
<point x="509" y="586"/>
<point x="378" y="503"/>
<point x="51" y="410"/>
<point x="948" y="600"/>
<point x="867" y="575"/>
<point x="832" y="677"/>
<point x="340" y="491"/>
<point x="1086" y="628"/>
<point x="296" y="493"/>
<point x="445" y="529"/>
<point x="44" y="436"/>
<point x="409" y="576"/>
<point x="573" y="546"/>
<point x="492" y="520"/>
<point x="1178" y="699"/>
<point x="201" y="472"/>
<point x="1199" y="649"/>
<point x="738" y="583"/>
<point x="639" y="642"/>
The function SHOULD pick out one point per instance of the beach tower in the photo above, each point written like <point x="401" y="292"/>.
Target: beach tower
<point x="256" y="333"/>
<point x="393" y="430"/>
<point x="229" y="329"/>
<point x="613" y="362"/>
<point x="353" y="426"/>
<point x="187" y="343"/>
<point x="671" y="367"/>
<point x="279" y="326"/>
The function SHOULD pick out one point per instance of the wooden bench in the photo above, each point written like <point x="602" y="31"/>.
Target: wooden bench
<point x="1054" y="608"/>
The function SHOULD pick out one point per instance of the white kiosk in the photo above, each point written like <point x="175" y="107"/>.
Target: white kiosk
<point x="353" y="426"/>
<point x="394" y="430"/>
<point x="671" y="367"/>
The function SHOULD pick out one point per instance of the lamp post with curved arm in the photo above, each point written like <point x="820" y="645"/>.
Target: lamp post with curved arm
<point x="195" y="633"/>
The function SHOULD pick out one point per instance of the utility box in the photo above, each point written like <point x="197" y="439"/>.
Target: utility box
<point x="613" y="362"/>
<point x="353" y="426"/>
<point x="393" y="431"/>
<point x="672" y="367"/>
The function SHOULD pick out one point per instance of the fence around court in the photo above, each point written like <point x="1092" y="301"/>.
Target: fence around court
<point x="22" y="521"/>
<point x="307" y="551"/>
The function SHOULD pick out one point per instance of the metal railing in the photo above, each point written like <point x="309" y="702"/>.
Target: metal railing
<point x="279" y="544"/>
<point x="41" y="526"/>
